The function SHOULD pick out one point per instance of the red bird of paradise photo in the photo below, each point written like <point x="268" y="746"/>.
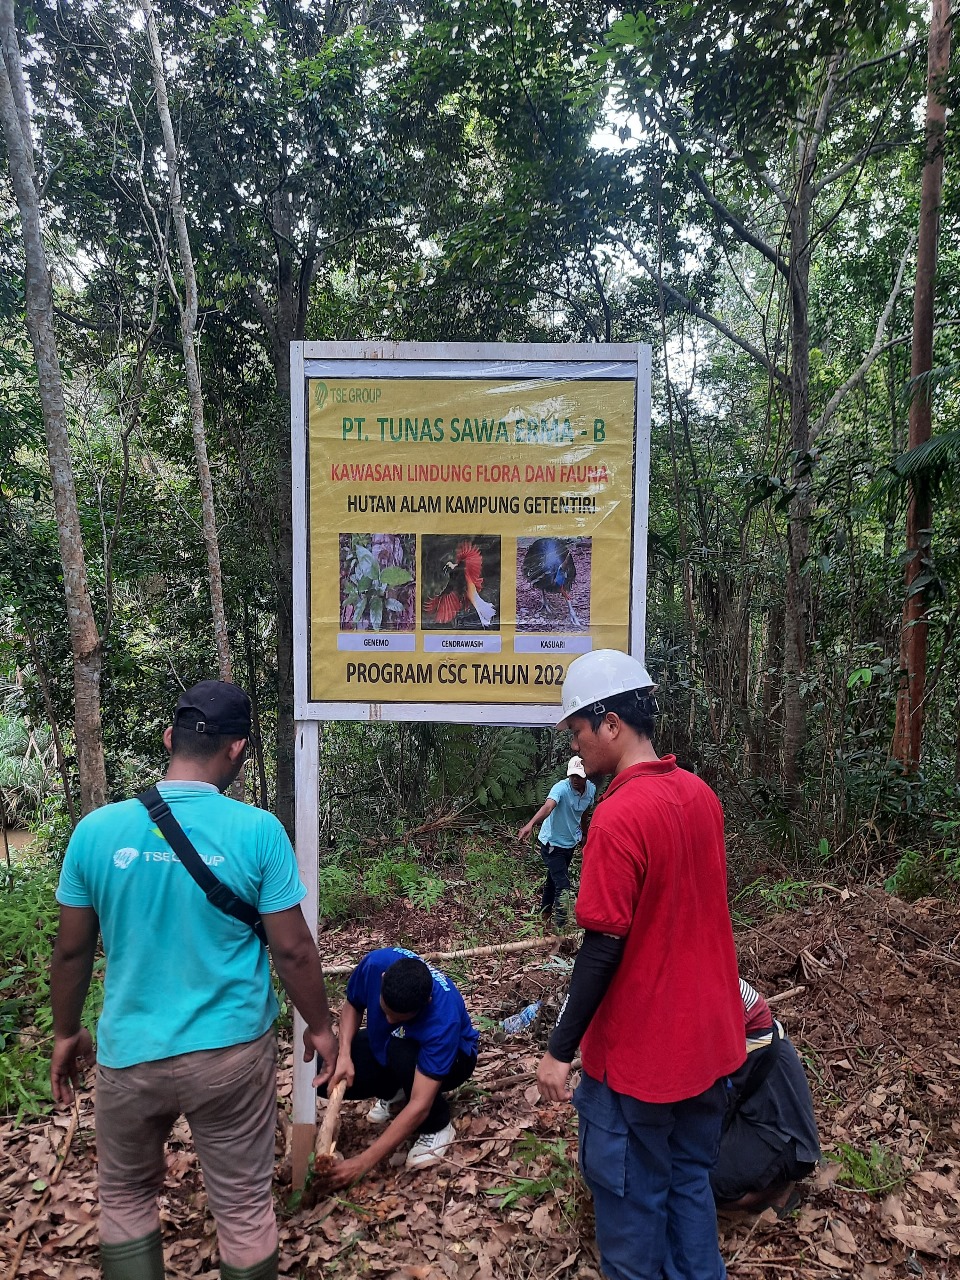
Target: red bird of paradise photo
<point x="461" y="583"/>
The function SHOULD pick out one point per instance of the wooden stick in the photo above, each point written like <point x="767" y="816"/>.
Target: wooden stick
<point x="327" y="1137"/>
<point x="499" y="948"/>
<point x="785" y="995"/>
<point x="496" y="948"/>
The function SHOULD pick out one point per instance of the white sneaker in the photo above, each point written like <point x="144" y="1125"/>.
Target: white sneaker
<point x="382" y="1109"/>
<point x="429" y="1148"/>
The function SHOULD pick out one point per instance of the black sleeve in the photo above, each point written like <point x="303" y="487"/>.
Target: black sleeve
<point x="593" y="972"/>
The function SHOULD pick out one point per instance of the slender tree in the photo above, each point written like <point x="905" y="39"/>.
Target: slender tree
<point x="908" y="734"/>
<point x="84" y="635"/>
<point x="187" y="310"/>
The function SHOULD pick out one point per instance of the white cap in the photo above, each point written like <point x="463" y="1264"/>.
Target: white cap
<point x="605" y="673"/>
<point x="575" y="766"/>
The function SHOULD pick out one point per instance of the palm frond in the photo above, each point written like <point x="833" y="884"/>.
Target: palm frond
<point x="925" y="384"/>
<point x="933" y="466"/>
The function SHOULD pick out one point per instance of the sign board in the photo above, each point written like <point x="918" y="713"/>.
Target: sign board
<point x="467" y="520"/>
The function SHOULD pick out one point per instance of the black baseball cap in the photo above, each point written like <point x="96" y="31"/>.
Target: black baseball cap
<point x="214" y="706"/>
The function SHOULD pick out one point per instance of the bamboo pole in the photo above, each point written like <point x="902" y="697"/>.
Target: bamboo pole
<point x="499" y="948"/>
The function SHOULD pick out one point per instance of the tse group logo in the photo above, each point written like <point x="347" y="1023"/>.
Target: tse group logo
<point x="344" y="395"/>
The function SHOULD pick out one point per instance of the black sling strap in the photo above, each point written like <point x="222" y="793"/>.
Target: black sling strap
<point x="218" y="894"/>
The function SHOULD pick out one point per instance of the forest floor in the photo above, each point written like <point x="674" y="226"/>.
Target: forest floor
<point x="875" y="1018"/>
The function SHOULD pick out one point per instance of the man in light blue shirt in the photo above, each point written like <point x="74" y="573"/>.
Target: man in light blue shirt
<point x="188" y="1012"/>
<point x="561" y="815"/>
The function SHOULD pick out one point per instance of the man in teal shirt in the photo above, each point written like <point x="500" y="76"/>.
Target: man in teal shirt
<point x="188" y="1012"/>
<point x="561" y="815"/>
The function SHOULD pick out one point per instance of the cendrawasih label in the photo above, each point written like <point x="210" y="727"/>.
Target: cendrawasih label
<point x="467" y="538"/>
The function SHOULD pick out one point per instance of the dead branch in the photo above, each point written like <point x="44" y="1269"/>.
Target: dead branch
<point x="785" y="995"/>
<point x="439" y="823"/>
<point x="499" y="948"/>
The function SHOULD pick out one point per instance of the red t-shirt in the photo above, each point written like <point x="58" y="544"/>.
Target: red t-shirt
<point x="654" y="872"/>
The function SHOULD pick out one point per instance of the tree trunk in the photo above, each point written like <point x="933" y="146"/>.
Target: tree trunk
<point x="908" y="734"/>
<point x="769" y="692"/>
<point x="285" y="326"/>
<point x="263" y="799"/>
<point x="796" y="611"/>
<point x="85" y="640"/>
<point x="187" y="307"/>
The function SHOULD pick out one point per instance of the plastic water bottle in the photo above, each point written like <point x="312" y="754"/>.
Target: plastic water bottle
<point x="517" y="1021"/>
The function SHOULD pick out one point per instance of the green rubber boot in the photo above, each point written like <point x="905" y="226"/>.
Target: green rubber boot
<point x="265" y="1270"/>
<point x="134" y="1259"/>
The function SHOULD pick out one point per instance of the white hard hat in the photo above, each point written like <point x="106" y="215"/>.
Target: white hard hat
<point x="605" y="673"/>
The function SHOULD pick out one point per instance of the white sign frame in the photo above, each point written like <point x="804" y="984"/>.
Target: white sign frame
<point x="458" y="360"/>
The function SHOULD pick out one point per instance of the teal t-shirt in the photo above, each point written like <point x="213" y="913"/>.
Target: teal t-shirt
<point x="562" y="825"/>
<point x="181" y="975"/>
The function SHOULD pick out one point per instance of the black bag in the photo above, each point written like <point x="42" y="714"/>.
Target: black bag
<point x="217" y="893"/>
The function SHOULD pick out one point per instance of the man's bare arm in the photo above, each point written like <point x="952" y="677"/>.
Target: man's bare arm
<point x="70" y="971"/>
<point x="298" y="966"/>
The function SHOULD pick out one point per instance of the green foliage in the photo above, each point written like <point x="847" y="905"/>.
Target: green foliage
<point x="336" y="889"/>
<point x="391" y="876"/>
<point x="932" y="466"/>
<point x="353" y="880"/>
<point x="914" y="875"/>
<point x="769" y="896"/>
<point x="493" y="172"/>
<point x="28" y="924"/>
<point x="387" y="779"/>
<point x="747" y="67"/>
<point x="374" y="595"/>
<point x="26" y="770"/>
<point x="556" y="1172"/>
<point x="489" y="770"/>
<point x="934" y="869"/>
<point x="349" y="880"/>
<point x="878" y="1171"/>
<point x="491" y="872"/>
<point x="784" y="895"/>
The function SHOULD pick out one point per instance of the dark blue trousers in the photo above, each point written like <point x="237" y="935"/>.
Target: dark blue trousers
<point x="556" y="887"/>
<point x="648" y="1166"/>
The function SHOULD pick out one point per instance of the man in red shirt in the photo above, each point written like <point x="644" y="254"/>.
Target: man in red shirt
<point x="654" y="995"/>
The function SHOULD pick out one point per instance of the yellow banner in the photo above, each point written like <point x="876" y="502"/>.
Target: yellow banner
<point x="467" y="538"/>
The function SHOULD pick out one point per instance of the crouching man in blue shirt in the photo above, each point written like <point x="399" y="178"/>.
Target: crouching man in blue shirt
<point x="418" y="1043"/>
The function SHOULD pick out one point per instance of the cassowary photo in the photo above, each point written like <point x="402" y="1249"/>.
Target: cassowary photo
<point x="553" y="584"/>
<point x="461" y="582"/>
